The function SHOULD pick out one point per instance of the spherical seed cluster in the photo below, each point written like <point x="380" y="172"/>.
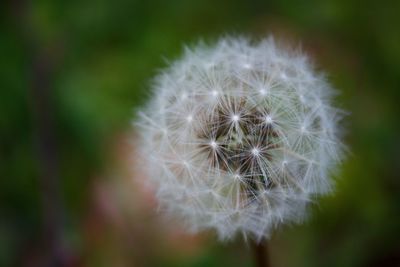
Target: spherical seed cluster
<point x="240" y="137"/>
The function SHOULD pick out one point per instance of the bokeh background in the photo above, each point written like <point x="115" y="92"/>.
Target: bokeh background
<point x="72" y="74"/>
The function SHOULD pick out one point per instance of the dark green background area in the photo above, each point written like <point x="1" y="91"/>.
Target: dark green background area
<point x="92" y="62"/>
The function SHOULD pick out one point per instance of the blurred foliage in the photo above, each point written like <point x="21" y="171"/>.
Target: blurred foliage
<point x="102" y="56"/>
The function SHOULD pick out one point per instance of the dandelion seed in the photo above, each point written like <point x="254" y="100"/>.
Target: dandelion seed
<point x="246" y="65"/>
<point x="213" y="144"/>
<point x="237" y="177"/>
<point x="268" y="119"/>
<point x="255" y="152"/>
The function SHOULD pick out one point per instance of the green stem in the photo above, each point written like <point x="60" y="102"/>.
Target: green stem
<point x="261" y="255"/>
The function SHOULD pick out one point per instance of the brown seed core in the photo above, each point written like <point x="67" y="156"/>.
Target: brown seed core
<point x="239" y="139"/>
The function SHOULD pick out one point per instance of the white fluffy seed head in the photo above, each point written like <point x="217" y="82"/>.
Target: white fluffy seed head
<point x="240" y="137"/>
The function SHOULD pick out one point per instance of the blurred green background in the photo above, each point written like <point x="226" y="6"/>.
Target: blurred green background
<point x="73" y="72"/>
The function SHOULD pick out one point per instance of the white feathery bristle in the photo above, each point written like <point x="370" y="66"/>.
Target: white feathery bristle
<point x="240" y="137"/>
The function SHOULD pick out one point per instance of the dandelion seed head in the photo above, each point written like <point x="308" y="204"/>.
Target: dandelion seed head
<point x="259" y="137"/>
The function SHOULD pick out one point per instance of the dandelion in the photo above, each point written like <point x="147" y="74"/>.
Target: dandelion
<point x="240" y="137"/>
